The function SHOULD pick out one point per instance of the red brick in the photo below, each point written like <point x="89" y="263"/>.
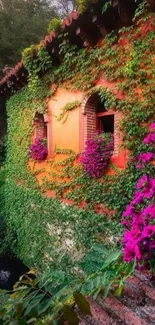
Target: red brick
<point x="123" y="312"/>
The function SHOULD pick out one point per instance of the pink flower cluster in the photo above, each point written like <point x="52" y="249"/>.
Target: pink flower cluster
<point x="96" y="156"/>
<point x="143" y="159"/>
<point x="139" y="220"/>
<point x="150" y="138"/>
<point x="139" y="216"/>
<point x="38" y="150"/>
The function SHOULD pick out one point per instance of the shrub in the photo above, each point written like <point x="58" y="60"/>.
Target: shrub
<point x="139" y="219"/>
<point x="139" y="216"/>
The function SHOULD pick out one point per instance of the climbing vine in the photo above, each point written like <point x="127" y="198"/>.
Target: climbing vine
<point x="66" y="109"/>
<point x="38" y="222"/>
<point x="54" y="25"/>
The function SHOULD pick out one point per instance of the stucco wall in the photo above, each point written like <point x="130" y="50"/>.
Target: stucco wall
<point x="71" y="134"/>
<point x="64" y="135"/>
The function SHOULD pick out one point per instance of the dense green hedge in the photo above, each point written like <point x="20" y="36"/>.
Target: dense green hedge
<point x="45" y="229"/>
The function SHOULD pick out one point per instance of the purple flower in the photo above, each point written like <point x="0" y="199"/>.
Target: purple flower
<point x="142" y="182"/>
<point x="139" y="222"/>
<point x="143" y="158"/>
<point x="152" y="127"/>
<point x="149" y="212"/>
<point x="38" y="150"/>
<point x="149" y="139"/>
<point x="131" y="251"/>
<point x="148" y="231"/>
<point x="128" y="211"/>
<point x="96" y="156"/>
<point x="138" y="197"/>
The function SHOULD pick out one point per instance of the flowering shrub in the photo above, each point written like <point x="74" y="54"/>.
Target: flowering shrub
<point x="150" y="138"/>
<point x="139" y="219"/>
<point x="38" y="150"/>
<point x="143" y="159"/>
<point x="139" y="216"/>
<point x="97" y="153"/>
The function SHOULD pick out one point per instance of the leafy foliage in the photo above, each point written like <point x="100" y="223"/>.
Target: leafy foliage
<point x="36" y="59"/>
<point x="129" y="67"/>
<point x="105" y="270"/>
<point x="55" y="25"/>
<point x="21" y="24"/>
<point x="53" y="296"/>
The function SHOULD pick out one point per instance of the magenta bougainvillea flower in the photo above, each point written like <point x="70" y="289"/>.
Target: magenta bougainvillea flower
<point x="142" y="182"/>
<point x="139" y="216"/>
<point x="143" y="158"/>
<point x="38" y="150"/>
<point x="149" y="212"/>
<point x="149" y="139"/>
<point x="152" y="127"/>
<point x="139" y="219"/>
<point x="96" y="156"/>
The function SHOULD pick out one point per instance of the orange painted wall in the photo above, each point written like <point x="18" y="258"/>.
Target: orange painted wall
<point x="70" y="135"/>
<point x="64" y="135"/>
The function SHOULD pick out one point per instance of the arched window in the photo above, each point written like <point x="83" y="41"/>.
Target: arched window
<point x="40" y="127"/>
<point x="97" y="118"/>
<point x="104" y="119"/>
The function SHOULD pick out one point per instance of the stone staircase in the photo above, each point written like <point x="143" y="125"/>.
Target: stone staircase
<point x="136" y="306"/>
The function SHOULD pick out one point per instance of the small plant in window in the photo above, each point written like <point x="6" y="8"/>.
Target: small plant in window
<point x="96" y="156"/>
<point x="38" y="150"/>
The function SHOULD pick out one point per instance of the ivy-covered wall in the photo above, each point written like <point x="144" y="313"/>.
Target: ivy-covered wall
<point x="46" y="230"/>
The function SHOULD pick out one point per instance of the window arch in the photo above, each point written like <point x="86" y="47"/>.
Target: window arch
<point x="39" y="127"/>
<point x="97" y="118"/>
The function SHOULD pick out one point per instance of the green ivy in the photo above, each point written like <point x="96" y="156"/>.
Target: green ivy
<point x="28" y="212"/>
<point x="66" y="109"/>
<point x="54" y="25"/>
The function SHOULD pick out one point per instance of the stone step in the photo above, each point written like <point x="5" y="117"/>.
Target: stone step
<point x="145" y="287"/>
<point x="136" y="306"/>
<point x="99" y="314"/>
<point x="125" y="314"/>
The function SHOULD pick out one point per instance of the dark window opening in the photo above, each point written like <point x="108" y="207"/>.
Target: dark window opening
<point x="106" y="124"/>
<point x="100" y="108"/>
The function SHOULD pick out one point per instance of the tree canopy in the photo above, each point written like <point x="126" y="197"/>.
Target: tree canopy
<point x="22" y="23"/>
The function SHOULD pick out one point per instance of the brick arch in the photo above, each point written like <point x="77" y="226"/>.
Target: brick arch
<point x="88" y="109"/>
